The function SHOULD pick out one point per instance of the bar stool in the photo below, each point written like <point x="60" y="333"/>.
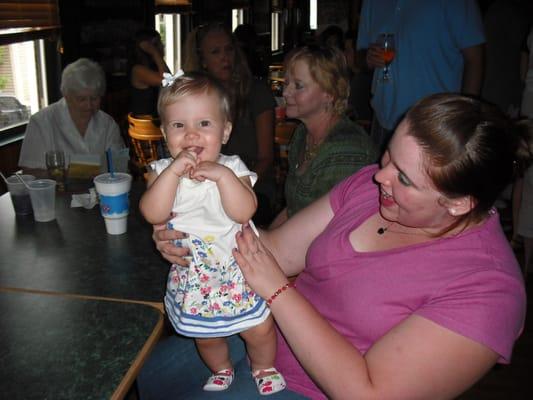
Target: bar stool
<point x="146" y="139"/>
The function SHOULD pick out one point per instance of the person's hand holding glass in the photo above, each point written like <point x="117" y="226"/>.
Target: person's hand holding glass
<point x="381" y="54"/>
<point x="386" y="42"/>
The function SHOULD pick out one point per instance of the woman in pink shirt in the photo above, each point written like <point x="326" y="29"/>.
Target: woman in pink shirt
<point x="407" y="287"/>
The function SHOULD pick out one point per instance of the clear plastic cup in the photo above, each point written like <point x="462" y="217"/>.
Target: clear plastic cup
<point x="43" y="199"/>
<point x="20" y="196"/>
<point x="114" y="202"/>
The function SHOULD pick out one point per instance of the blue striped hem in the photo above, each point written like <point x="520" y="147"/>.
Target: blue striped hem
<point x="197" y="326"/>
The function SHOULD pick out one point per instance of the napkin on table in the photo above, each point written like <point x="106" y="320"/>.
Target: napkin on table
<point x="85" y="200"/>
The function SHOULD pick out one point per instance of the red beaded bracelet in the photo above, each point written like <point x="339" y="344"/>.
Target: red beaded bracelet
<point x="279" y="291"/>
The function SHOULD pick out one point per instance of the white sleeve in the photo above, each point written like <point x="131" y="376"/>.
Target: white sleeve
<point x="159" y="166"/>
<point x="36" y="142"/>
<point x="114" y="140"/>
<point x="238" y="167"/>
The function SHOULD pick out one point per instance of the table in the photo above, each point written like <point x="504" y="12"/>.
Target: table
<point x="79" y="309"/>
<point x="74" y="254"/>
<point x="63" y="347"/>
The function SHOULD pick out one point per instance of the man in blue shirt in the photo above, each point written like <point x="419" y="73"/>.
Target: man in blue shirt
<point x="439" y="48"/>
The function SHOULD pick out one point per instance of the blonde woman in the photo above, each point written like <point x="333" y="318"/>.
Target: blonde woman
<point x="327" y="147"/>
<point x="213" y="49"/>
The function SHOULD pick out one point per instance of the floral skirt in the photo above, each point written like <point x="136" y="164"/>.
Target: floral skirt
<point x="210" y="298"/>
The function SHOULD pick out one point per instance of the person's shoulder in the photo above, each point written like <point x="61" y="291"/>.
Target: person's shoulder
<point x="259" y="88"/>
<point x="231" y="161"/>
<point x="348" y="136"/>
<point x="361" y="178"/>
<point x="59" y="106"/>
<point x="51" y="115"/>
<point x="239" y="168"/>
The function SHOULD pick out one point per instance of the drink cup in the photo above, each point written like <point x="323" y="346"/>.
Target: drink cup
<point x="114" y="203"/>
<point x="43" y="199"/>
<point x="20" y="196"/>
<point x="55" y="163"/>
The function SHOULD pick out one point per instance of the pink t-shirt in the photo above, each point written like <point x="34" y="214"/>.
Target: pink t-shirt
<point x="470" y="283"/>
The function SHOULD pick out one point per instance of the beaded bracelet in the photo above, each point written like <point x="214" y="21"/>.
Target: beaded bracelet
<point x="279" y="291"/>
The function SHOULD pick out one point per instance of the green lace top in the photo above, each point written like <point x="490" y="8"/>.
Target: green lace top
<point x="345" y="150"/>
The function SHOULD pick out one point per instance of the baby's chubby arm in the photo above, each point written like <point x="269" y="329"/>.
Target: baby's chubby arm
<point x="157" y="201"/>
<point x="236" y="194"/>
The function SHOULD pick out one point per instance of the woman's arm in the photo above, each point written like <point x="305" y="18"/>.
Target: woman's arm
<point x="473" y="69"/>
<point x="289" y="242"/>
<point x="38" y="173"/>
<point x="264" y="128"/>
<point x="280" y="219"/>
<point x="37" y="140"/>
<point x="144" y="76"/>
<point x="417" y="359"/>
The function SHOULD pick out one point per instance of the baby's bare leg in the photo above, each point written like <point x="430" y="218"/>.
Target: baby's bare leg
<point x="261" y="344"/>
<point x="214" y="352"/>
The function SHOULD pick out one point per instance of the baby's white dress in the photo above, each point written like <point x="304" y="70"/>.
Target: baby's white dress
<point x="210" y="297"/>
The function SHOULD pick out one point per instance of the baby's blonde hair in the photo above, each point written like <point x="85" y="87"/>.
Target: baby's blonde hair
<point x="192" y="84"/>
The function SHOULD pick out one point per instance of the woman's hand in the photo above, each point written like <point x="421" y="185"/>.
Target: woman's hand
<point x="258" y="265"/>
<point x="374" y="57"/>
<point x="164" y="241"/>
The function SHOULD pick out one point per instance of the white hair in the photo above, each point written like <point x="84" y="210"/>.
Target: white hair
<point x="81" y="75"/>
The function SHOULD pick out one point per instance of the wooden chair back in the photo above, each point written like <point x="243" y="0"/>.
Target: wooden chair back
<point x="146" y="139"/>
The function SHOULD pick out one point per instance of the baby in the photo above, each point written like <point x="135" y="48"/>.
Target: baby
<point x="211" y="195"/>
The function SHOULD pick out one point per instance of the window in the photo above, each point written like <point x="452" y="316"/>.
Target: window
<point x="237" y="18"/>
<point x="313" y="24"/>
<point x="22" y="82"/>
<point x="25" y="24"/>
<point x="276" y="36"/>
<point x="169" y="27"/>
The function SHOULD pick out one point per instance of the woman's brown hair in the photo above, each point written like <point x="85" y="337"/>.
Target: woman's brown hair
<point x="471" y="147"/>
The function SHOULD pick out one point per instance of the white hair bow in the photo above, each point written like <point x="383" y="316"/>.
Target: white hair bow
<point x="168" y="79"/>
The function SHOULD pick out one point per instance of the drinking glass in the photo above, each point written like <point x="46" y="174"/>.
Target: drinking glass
<point x="386" y="42"/>
<point x="55" y="163"/>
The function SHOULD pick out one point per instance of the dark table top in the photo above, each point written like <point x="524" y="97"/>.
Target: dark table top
<point x="61" y="347"/>
<point x="74" y="254"/>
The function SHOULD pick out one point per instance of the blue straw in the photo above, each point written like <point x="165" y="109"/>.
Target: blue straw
<point x="110" y="167"/>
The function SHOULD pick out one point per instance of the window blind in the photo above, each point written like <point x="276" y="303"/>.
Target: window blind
<point x="27" y="19"/>
<point x="28" y="14"/>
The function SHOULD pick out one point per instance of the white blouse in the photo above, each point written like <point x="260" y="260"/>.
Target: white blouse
<point x="52" y="128"/>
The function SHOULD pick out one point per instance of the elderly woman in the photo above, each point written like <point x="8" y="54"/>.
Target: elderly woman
<point x="75" y="123"/>
<point x="212" y="48"/>
<point x="327" y="146"/>
<point x="407" y="286"/>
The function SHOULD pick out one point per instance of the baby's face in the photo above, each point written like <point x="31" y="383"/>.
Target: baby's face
<point x="195" y="123"/>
